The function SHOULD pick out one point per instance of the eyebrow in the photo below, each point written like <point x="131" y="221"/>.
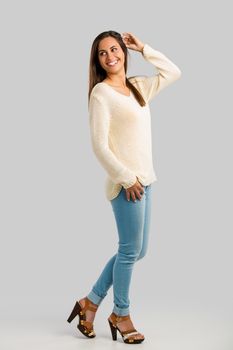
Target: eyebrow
<point x="110" y="48"/>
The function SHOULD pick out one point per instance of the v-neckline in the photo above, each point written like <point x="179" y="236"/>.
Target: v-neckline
<point x="116" y="90"/>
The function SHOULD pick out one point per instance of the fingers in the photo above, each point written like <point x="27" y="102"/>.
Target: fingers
<point x="127" y="195"/>
<point x="126" y="40"/>
<point x="127" y="34"/>
<point x="132" y="42"/>
<point x="133" y="196"/>
<point x="128" y="37"/>
<point x="135" y="193"/>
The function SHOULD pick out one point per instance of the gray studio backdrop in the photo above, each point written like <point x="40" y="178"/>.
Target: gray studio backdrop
<point x="57" y="227"/>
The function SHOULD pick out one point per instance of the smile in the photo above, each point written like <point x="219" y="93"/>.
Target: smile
<point x="113" y="63"/>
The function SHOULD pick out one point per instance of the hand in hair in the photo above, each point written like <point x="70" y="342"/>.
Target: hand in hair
<point x="132" y="42"/>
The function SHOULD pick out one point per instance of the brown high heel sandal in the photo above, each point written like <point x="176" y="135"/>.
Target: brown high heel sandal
<point x="127" y="336"/>
<point x="84" y="326"/>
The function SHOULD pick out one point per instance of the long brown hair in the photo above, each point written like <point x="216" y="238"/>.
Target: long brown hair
<point x="98" y="74"/>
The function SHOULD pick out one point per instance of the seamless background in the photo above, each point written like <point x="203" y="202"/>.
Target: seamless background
<point x="57" y="228"/>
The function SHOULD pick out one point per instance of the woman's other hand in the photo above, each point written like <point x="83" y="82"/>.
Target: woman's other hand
<point x="135" y="191"/>
<point x="132" y="42"/>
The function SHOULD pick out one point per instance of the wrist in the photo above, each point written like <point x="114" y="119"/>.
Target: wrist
<point x="141" y="48"/>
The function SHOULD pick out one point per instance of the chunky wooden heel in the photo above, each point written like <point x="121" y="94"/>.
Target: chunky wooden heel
<point x="76" y="310"/>
<point x="113" y="330"/>
<point x="127" y="336"/>
<point x="85" y="327"/>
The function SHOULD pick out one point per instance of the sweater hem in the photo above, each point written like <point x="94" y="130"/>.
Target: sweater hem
<point x="116" y="188"/>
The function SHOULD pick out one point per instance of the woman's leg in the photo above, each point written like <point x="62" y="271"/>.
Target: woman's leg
<point x="104" y="282"/>
<point x="130" y="218"/>
<point x="139" y="227"/>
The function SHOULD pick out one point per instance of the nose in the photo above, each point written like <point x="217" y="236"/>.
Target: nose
<point x="110" y="56"/>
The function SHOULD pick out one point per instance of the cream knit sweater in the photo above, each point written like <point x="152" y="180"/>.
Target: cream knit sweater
<point x="120" y="128"/>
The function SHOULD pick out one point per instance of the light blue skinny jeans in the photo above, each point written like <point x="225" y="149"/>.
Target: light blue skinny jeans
<point x="133" y="222"/>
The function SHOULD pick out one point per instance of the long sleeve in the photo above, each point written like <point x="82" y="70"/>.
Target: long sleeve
<point x="168" y="72"/>
<point x="99" y="118"/>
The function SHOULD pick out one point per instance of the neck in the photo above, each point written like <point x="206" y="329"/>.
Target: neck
<point x="117" y="80"/>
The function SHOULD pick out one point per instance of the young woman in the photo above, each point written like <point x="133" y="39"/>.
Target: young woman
<point x="120" y="127"/>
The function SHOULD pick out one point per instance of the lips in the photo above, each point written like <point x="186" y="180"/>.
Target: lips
<point x="113" y="63"/>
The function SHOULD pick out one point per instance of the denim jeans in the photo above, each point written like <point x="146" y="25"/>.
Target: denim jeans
<point x="133" y="223"/>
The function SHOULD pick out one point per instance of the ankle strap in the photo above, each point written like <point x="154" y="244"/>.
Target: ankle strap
<point x="89" y="306"/>
<point x="116" y="318"/>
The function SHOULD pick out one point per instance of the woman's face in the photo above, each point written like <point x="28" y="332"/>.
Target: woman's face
<point x="111" y="56"/>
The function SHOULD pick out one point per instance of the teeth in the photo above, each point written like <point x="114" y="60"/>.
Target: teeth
<point x="112" y="63"/>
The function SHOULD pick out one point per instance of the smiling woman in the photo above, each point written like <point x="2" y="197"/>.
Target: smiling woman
<point x="120" y="130"/>
<point x="110" y="55"/>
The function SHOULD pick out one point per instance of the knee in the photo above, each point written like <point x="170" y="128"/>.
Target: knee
<point x="130" y="254"/>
